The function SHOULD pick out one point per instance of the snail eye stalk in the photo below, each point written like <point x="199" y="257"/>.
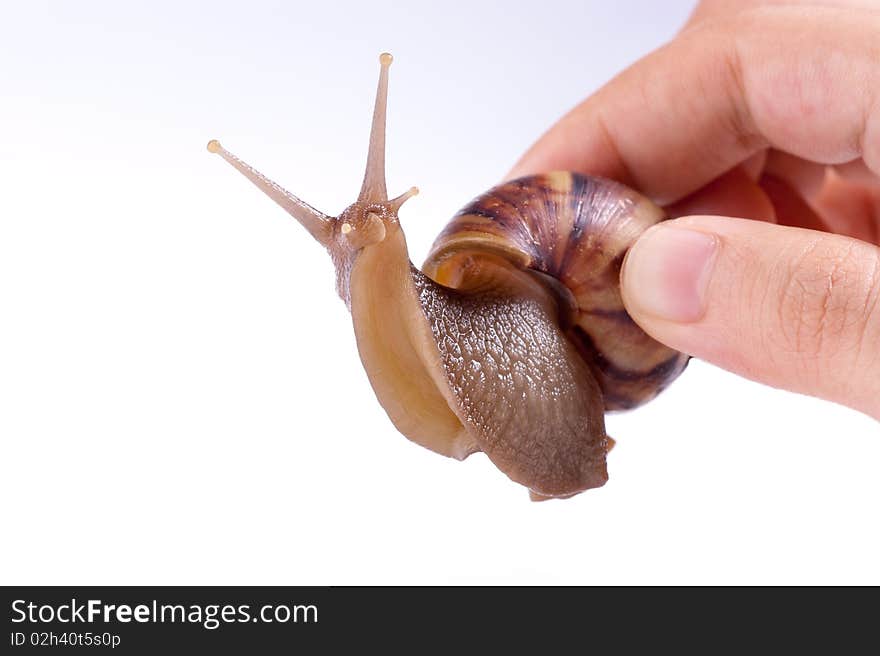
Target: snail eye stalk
<point x="319" y="225"/>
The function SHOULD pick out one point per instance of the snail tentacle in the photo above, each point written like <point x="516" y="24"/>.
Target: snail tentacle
<point x="373" y="187"/>
<point x="317" y="223"/>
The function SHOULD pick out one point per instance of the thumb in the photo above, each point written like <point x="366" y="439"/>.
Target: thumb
<point x="785" y="306"/>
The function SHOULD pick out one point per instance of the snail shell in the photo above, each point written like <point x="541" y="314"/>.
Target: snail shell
<point x="513" y="340"/>
<point x="574" y="229"/>
<point x="535" y="341"/>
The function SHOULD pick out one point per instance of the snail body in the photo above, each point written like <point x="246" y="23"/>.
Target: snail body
<point x="513" y="338"/>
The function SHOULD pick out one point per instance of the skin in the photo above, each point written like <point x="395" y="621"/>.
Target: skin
<point x="758" y="126"/>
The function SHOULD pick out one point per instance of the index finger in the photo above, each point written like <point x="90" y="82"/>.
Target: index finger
<point x="803" y="80"/>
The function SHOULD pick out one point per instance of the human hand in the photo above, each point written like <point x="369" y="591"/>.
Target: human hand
<point x="761" y="110"/>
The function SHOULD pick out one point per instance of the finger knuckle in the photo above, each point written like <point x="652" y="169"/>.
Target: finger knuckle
<point x="828" y="304"/>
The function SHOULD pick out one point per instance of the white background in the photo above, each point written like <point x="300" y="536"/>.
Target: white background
<point x="181" y="399"/>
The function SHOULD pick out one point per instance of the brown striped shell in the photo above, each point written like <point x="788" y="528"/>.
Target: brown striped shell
<point x="575" y="230"/>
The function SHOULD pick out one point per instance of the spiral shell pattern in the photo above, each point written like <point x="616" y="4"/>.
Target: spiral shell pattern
<point x="575" y="230"/>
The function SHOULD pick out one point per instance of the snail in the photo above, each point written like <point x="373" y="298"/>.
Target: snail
<point x="513" y="339"/>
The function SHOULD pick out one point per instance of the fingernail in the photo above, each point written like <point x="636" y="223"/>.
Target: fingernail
<point x="666" y="273"/>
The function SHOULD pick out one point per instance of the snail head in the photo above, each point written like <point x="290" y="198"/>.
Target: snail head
<point x="369" y="221"/>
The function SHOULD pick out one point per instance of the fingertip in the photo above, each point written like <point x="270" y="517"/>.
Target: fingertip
<point x="666" y="273"/>
<point x="786" y="306"/>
